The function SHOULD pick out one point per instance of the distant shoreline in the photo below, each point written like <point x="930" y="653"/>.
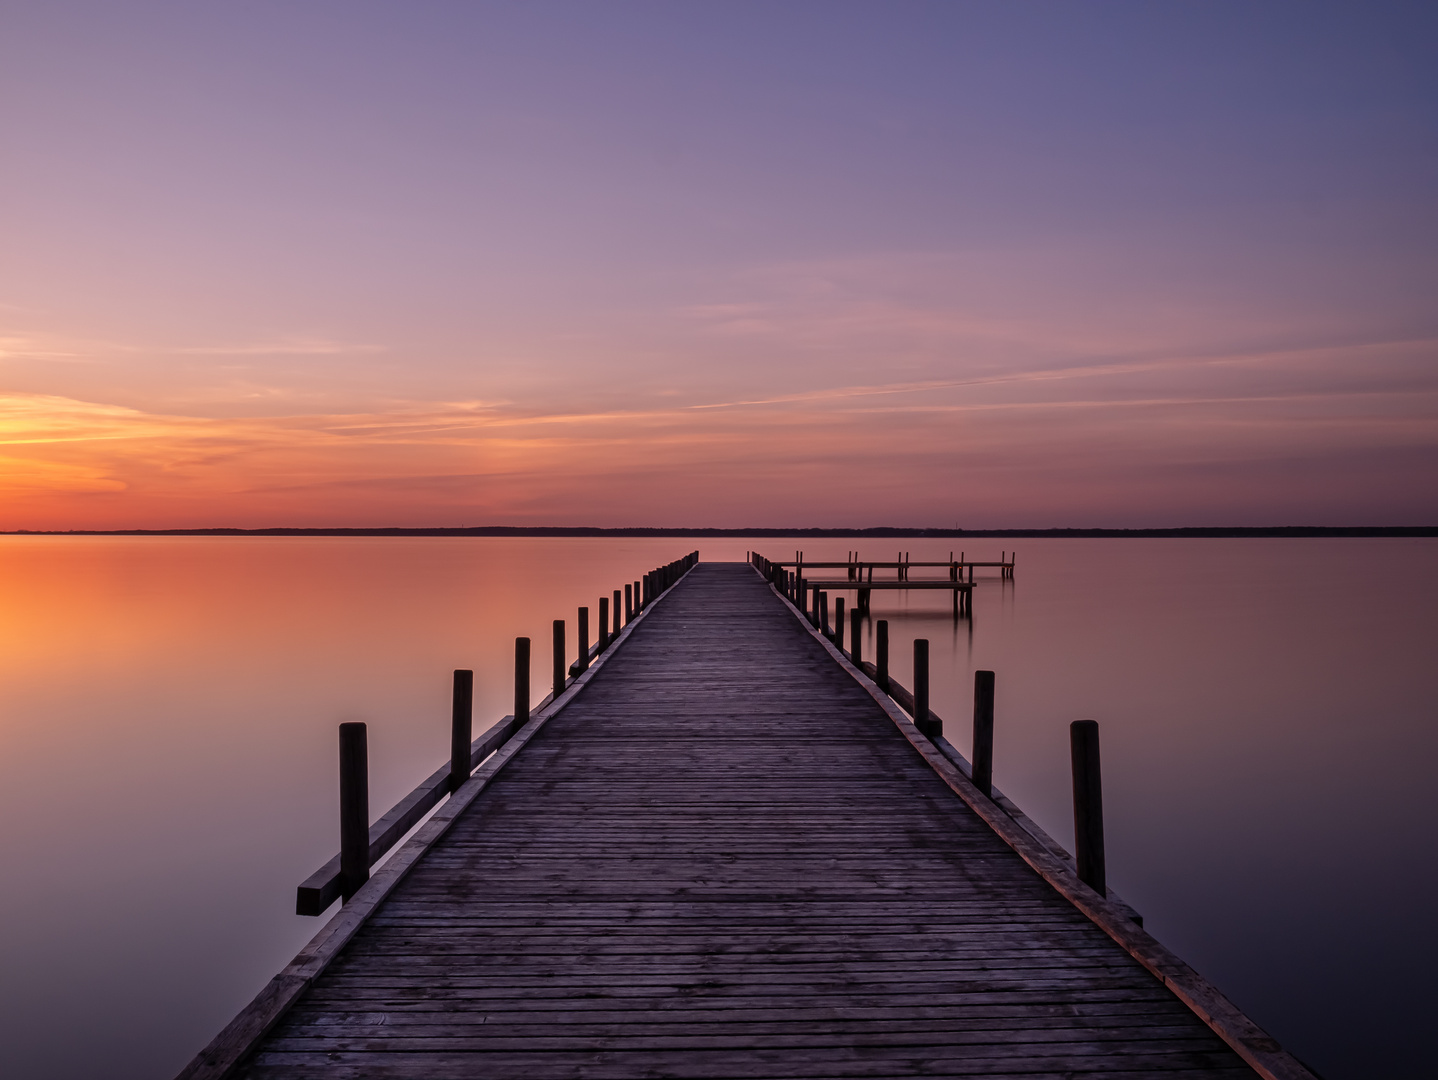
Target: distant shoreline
<point x="1280" y="531"/>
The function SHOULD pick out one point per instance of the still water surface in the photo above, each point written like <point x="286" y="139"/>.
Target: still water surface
<point x="1269" y="714"/>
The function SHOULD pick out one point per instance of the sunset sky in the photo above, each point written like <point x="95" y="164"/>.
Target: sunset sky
<point x="723" y="264"/>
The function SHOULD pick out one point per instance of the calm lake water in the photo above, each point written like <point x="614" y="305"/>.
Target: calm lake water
<point x="1269" y="715"/>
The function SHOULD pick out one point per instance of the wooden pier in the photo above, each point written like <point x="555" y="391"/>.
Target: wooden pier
<point x="721" y="851"/>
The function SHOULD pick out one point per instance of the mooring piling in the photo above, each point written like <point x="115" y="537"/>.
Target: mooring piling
<point x="354" y="808"/>
<point x="461" y="728"/>
<point x="984" y="732"/>
<point x="1088" y="805"/>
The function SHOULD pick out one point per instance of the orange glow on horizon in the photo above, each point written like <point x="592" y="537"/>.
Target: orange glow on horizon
<point x="1084" y="445"/>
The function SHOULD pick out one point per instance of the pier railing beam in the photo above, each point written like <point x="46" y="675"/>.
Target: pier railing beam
<point x="354" y="808"/>
<point x="1088" y="805"/>
<point x="521" y="679"/>
<point x="461" y="729"/>
<point x="984" y="732"/>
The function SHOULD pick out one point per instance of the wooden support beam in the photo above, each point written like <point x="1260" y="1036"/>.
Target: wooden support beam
<point x="461" y="726"/>
<point x="923" y="720"/>
<point x="1088" y="805"/>
<point x="983" y="774"/>
<point x="521" y="679"/>
<point x="881" y="654"/>
<point x="354" y="808"/>
<point x="583" y="640"/>
<point x="557" y="675"/>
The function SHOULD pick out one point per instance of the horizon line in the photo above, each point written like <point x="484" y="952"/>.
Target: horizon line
<point x="881" y="531"/>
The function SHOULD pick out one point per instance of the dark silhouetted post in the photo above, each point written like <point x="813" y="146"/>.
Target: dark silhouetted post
<point x="1088" y="805"/>
<point x="839" y="623"/>
<point x="881" y="654"/>
<point x="521" y="680"/>
<point x="461" y="728"/>
<point x="617" y="626"/>
<point x="638" y="599"/>
<point x="856" y="649"/>
<point x="603" y="623"/>
<point x="824" y="612"/>
<point x="354" y="809"/>
<point x="925" y="725"/>
<point x="559" y="671"/>
<point x="984" y="732"/>
<point x="628" y="604"/>
<point x="583" y="638"/>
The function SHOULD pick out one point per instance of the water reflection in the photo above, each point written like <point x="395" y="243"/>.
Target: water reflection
<point x="167" y="731"/>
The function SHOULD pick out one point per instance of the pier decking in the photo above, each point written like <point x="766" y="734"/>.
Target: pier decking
<point x="722" y="857"/>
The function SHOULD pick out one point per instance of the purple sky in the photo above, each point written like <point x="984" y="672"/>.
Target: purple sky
<point x="726" y="264"/>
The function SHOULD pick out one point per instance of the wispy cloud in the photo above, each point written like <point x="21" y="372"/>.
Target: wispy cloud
<point x="281" y="347"/>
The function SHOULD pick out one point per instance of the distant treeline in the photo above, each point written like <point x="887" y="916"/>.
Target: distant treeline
<point x="874" y="533"/>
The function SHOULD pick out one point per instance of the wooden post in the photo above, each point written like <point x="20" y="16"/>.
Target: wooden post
<point x="925" y="724"/>
<point x="617" y="626"/>
<point x="839" y="623"/>
<point x="984" y="732"/>
<point x="521" y="680"/>
<point x="354" y="808"/>
<point x="856" y="637"/>
<point x="461" y="728"/>
<point x="628" y="604"/>
<point x="559" y="669"/>
<point x="881" y="654"/>
<point x="603" y="623"/>
<point x="824" y="613"/>
<point x="583" y="639"/>
<point x="638" y="602"/>
<point x="1088" y="805"/>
